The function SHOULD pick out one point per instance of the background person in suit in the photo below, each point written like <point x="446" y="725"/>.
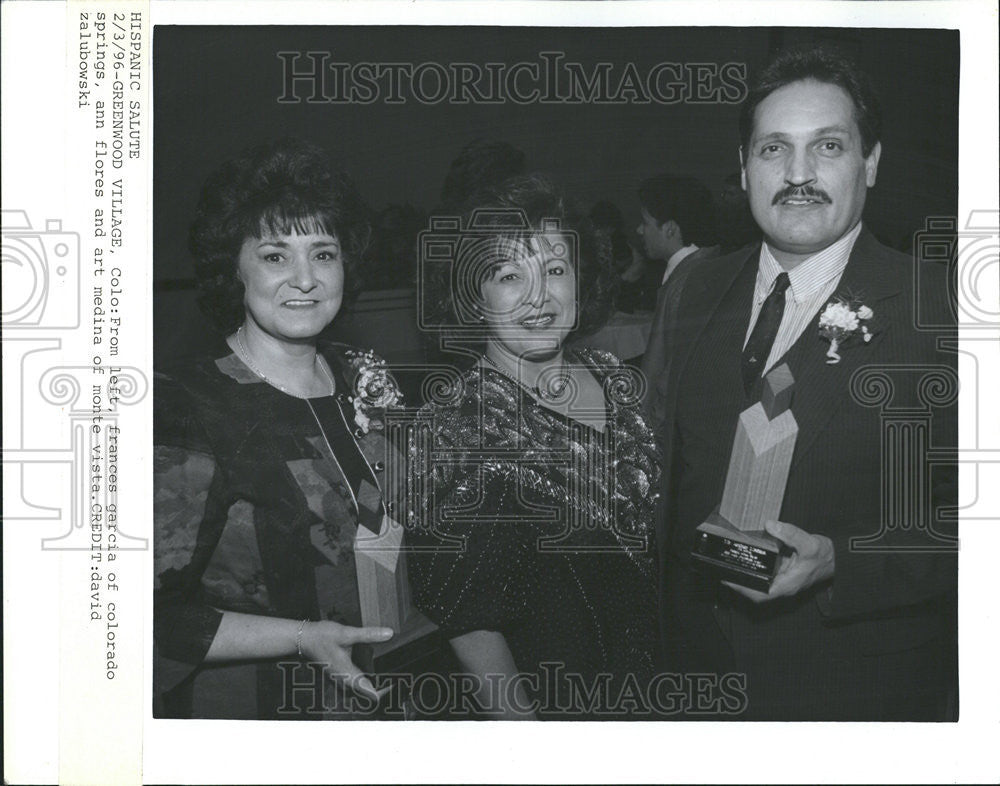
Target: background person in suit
<point x="678" y="222"/>
<point x="846" y="632"/>
<point x="678" y="227"/>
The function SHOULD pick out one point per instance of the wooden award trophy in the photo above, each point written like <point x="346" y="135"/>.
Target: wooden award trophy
<point x="385" y="597"/>
<point x="732" y="545"/>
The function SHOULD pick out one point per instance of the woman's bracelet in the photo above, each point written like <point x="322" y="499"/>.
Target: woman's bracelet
<point x="298" y="637"/>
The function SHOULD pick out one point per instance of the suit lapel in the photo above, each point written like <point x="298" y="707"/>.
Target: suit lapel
<point x="701" y="299"/>
<point x="665" y="320"/>
<point x="822" y="388"/>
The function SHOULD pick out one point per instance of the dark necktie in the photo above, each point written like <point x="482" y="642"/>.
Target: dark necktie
<point x="762" y="337"/>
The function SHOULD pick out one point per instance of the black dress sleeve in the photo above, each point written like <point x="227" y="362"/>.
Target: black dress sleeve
<point x="189" y="515"/>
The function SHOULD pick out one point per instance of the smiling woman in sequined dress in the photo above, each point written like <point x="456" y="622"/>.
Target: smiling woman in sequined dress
<point x="263" y="470"/>
<point x="533" y="535"/>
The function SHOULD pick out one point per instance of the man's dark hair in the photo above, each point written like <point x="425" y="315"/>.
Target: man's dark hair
<point x="822" y="64"/>
<point x="683" y="200"/>
<point x="282" y="187"/>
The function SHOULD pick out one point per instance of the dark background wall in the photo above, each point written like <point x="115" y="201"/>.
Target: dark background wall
<point x="217" y="90"/>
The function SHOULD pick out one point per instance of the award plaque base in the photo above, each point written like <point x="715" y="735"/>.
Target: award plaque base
<point x="417" y="643"/>
<point x="722" y="551"/>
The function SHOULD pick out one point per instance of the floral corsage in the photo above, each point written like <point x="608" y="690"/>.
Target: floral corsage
<point x="374" y="388"/>
<point x="841" y="320"/>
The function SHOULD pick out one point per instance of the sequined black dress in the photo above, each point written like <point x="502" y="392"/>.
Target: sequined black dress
<point x="538" y="526"/>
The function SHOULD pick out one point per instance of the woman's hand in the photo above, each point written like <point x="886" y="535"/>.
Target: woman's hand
<point x="243" y="636"/>
<point x="330" y="643"/>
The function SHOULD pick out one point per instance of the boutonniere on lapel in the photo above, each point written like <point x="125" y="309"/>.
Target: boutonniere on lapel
<point x="844" y="319"/>
<point x="374" y="388"/>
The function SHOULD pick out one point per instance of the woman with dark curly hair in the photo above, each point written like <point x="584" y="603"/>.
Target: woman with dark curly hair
<point x="268" y="458"/>
<point x="532" y="545"/>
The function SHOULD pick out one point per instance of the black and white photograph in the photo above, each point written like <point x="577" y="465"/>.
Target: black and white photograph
<point x="598" y="380"/>
<point x="622" y="375"/>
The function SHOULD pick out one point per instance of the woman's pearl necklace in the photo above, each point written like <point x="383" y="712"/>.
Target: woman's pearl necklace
<point x="245" y="354"/>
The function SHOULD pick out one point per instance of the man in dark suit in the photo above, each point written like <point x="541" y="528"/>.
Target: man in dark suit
<point x="678" y="230"/>
<point x="678" y="223"/>
<point x="859" y="622"/>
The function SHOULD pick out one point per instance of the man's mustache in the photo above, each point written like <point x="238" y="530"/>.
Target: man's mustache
<point x="801" y="192"/>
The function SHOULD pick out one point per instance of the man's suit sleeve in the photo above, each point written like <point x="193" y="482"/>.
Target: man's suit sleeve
<point x="866" y="584"/>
